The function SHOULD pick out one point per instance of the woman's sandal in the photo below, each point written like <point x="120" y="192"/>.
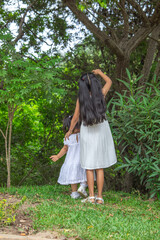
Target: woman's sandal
<point x="99" y="199"/>
<point x="88" y="200"/>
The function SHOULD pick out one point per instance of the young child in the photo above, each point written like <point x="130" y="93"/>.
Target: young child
<point x="71" y="171"/>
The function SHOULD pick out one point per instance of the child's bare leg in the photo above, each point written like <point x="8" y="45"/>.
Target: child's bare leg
<point x="90" y="181"/>
<point x="74" y="187"/>
<point x="83" y="184"/>
<point x="100" y="181"/>
<point x="74" y="193"/>
<point x="82" y="189"/>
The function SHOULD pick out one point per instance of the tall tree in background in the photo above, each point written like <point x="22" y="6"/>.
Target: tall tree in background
<point x="22" y="79"/>
<point x="121" y="26"/>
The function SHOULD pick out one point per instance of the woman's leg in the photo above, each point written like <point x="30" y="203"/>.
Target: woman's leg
<point x="100" y="181"/>
<point x="90" y="181"/>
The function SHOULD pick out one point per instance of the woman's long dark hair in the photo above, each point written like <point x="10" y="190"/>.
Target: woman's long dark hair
<point x="91" y="99"/>
<point x="67" y="123"/>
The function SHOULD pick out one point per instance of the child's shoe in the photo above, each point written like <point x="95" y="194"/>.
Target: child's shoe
<point x="75" y="195"/>
<point x="82" y="191"/>
<point x="89" y="200"/>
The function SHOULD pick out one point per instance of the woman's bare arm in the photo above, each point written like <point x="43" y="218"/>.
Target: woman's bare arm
<point x="74" y="120"/>
<point x="108" y="81"/>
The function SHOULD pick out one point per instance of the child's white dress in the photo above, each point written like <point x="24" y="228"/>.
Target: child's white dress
<point x="71" y="171"/>
<point x="97" y="146"/>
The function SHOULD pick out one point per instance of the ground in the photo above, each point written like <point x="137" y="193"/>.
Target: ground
<point x="48" y="212"/>
<point x="22" y="228"/>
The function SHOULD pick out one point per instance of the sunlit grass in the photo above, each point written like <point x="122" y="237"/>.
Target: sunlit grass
<point x="123" y="216"/>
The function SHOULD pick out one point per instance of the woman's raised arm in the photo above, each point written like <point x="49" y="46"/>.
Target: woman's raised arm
<point x="108" y="81"/>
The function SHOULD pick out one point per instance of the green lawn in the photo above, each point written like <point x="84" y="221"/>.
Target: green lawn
<point x="123" y="216"/>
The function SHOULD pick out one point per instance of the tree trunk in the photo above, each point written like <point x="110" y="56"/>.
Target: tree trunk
<point x="8" y="173"/>
<point x="9" y="152"/>
<point x="122" y="46"/>
<point x="8" y="167"/>
<point x="11" y="111"/>
<point x="6" y="151"/>
<point x="157" y="70"/>
<point x="128" y="182"/>
<point x="121" y="65"/>
<point x="152" y="47"/>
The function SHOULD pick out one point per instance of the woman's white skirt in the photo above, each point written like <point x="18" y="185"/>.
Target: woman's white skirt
<point x="96" y="146"/>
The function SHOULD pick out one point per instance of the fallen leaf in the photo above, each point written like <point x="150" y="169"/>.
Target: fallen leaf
<point x="89" y="227"/>
<point x="23" y="234"/>
<point x="22" y="221"/>
<point x="111" y="215"/>
<point x="67" y="230"/>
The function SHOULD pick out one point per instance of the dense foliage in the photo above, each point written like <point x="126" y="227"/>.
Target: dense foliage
<point x="39" y="85"/>
<point x="135" y="121"/>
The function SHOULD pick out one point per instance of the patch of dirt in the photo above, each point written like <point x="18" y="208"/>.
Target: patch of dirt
<point x="10" y="198"/>
<point x="22" y="228"/>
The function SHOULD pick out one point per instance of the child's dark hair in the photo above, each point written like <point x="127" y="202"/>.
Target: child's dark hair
<point x="91" y="99"/>
<point x="67" y="123"/>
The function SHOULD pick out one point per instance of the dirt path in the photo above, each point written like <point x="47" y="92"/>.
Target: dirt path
<point x="38" y="236"/>
<point x="22" y="228"/>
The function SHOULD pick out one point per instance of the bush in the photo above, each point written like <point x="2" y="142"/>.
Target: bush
<point x="135" y="121"/>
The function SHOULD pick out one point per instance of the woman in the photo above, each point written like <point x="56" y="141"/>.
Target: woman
<point x="96" y="143"/>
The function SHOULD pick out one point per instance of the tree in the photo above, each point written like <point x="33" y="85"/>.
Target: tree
<point x="121" y="26"/>
<point x="22" y="79"/>
<point x="36" y="22"/>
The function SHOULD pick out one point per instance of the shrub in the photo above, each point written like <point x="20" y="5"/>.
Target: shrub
<point x="135" y="120"/>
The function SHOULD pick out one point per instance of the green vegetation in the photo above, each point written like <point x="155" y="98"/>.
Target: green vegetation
<point x="134" y="119"/>
<point x="38" y="87"/>
<point x="123" y="216"/>
<point x="8" y="211"/>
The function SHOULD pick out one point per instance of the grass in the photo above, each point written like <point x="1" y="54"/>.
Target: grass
<point x="123" y="216"/>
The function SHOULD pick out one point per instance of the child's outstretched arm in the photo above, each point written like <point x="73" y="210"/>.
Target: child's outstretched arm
<point x="62" y="152"/>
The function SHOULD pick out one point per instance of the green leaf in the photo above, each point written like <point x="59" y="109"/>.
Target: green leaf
<point x="128" y="74"/>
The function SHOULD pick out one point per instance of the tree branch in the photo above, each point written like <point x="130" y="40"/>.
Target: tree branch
<point x="142" y="14"/>
<point x="156" y="15"/>
<point x="157" y="70"/>
<point x="101" y="17"/>
<point x="2" y="133"/>
<point x="156" y="40"/>
<point x="137" y="38"/>
<point x="125" y="18"/>
<point x="4" y="26"/>
<point x="7" y="129"/>
<point x="151" y="50"/>
<point x="20" y="30"/>
<point x="102" y="36"/>
<point x="37" y="36"/>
